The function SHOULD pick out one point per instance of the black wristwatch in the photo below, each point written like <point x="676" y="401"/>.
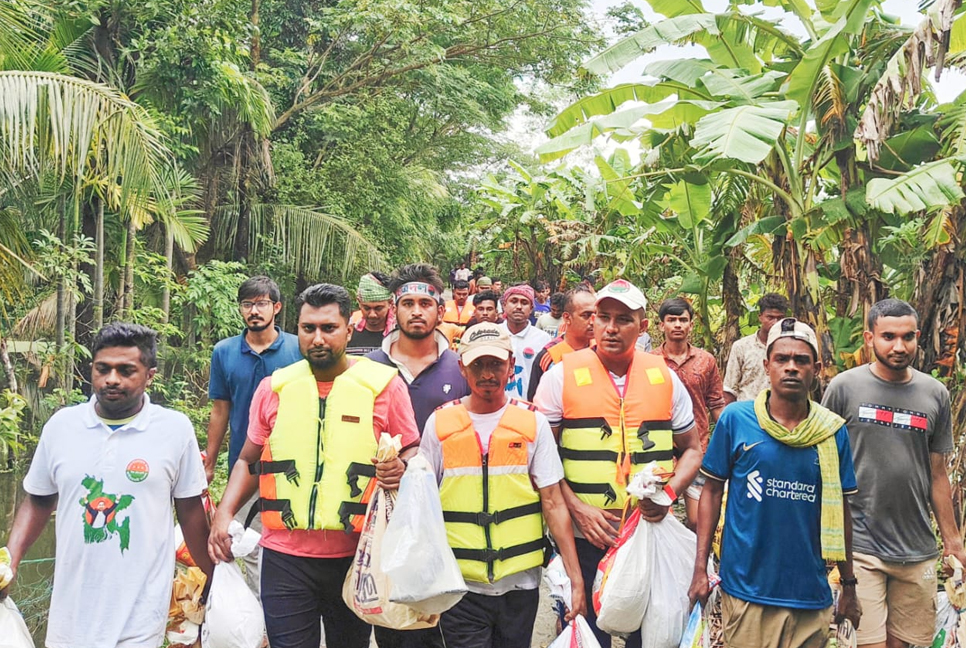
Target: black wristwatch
<point x="847" y="582"/>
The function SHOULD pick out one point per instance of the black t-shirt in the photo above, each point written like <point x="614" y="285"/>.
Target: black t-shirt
<point x="363" y="342"/>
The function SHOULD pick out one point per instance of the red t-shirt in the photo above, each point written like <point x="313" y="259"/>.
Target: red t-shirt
<point x="392" y="413"/>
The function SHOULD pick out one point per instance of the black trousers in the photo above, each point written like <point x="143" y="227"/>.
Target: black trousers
<point x="589" y="556"/>
<point x="426" y="638"/>
<point x="297" y="591"/>
<point x="479" y="621"/>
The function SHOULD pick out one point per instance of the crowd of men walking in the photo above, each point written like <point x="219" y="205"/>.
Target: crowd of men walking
<point x="535" y="410"/>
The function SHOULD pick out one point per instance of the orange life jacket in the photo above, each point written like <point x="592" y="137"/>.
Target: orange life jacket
<point x="607" y="437"/>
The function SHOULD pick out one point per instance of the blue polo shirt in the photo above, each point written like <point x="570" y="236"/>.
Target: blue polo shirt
<point x="236" y="371"/>
<point x="771" y="545"/>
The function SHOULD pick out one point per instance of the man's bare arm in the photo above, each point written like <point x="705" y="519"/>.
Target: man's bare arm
<point x="27" y="527"/>
<point x="942" y="508"/>
<point x="217" y="429"/>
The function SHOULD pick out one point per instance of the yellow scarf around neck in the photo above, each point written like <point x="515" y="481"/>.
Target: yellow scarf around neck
<point x="818" y="429"/>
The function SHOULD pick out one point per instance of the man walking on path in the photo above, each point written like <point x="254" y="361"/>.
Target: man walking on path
<point x="422" y="356"/>
<point x="238" y="364"/>
<point x="308" y="500"/>
<point x="541" y="303"/>
<point x="550" y="321"/>
<point x="374" y="320"/>
<point x="745" y="375"/>
<point x="698" y="370"/>
<point x="111" y="468"/>
<point x="900" y="429"/>
<point x="789" y="468"/>
<point x="416" y="348"/>
<point x="485" y="308"/>
<point x="578" y="319"/>
<point x="614" y="409"/>
<point x="527" y="339"/>
<point x="499" y="474"/>
<point x="459" y="310"/>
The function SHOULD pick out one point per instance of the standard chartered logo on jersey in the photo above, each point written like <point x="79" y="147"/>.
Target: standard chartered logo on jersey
<point x="754" y="485"/>
<point x="759" y="487"/>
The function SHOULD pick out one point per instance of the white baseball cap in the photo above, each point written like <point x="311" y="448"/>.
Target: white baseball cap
<point x="793" y="328"/>
<point x="625" y="292"/>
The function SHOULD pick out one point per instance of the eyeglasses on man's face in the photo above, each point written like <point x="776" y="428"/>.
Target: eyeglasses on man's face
<point x="261" y="304"/>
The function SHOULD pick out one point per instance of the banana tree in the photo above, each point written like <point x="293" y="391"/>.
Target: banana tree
<point x="777" y="111"/>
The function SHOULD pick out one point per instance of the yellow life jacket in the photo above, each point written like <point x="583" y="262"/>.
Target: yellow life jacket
<point x="606" y="438"/>
<point x="317" y="461"/>
<point x="494" y="521"/>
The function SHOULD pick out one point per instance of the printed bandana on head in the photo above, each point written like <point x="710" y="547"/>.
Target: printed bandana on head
<point x="418" y="288"/>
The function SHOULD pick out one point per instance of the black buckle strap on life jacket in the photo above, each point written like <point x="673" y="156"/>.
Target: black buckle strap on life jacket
<point x="282" y="506"/>
<point x="587" y="455"/>
<point x="354" y="472"/>
<point x="638" y="458"/>
<point x="347" y="510"/>
<point x="484" y="518"/>
<point x="595" y="489"/>
<point x="588" y="423"/>
<point x="286" y="467"/>
<point x="646" y="427"/>
<point x="490" y="556"/>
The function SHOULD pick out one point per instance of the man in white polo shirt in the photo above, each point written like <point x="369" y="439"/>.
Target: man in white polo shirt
<point x="527" y="339"/>
<point x="111" y="468"/>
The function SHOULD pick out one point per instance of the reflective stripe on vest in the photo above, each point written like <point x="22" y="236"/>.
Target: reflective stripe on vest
<point x="492" y="511"/>
<point x="606" y="439"/>
<point x="316" y="465"/>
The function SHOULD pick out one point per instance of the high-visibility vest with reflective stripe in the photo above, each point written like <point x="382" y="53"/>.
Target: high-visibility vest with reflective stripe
<point x="454" y="315"/>
<point x="492" y="510"/>
<point x="317" y="462"/>
<point x="605" y="438"/>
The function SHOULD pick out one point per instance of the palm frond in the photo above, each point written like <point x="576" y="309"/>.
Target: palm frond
<point x="312" y="242"/>
<point x="78" y="129"/>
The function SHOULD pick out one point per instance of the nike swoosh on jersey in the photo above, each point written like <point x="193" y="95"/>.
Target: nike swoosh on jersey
<point x="747" y="447"/>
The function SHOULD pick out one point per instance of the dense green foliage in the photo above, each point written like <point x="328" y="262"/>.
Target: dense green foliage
<point x="152" y="154"/>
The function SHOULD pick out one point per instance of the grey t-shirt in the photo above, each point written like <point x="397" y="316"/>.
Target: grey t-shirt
<point x="892" y="428"/>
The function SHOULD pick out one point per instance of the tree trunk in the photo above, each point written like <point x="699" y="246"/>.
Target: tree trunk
<point x="166" y="293"/>
<point x="8" y="367"/>
<point x="731" y="300"/>
<point x="242" y="232"/>
<point x="61" y="281"/>
<point x="99" y="265"/>
<point x="939" y="300"/>
<point x="127" y="278"/>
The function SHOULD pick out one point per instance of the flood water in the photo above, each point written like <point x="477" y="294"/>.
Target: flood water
<point x="31" y="592"/>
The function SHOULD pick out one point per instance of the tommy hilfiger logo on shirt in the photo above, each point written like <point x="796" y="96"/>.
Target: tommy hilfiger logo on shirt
<point x="893" y="417"/>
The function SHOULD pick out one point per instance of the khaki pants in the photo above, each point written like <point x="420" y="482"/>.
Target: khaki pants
<point x="750" y="625"/>
<point x="897" y="599"/>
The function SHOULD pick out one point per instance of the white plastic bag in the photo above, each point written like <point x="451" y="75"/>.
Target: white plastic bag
<point x="622" y="586"/>
<point x="233" y="618"/>
<point x="576" y="635"/>
<point x="367" y="587"/>
<point x="416" y="555"/>
<point x="673" y="547"/>
<point x="13" y="630"/>
<point x="559" y="586"/>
